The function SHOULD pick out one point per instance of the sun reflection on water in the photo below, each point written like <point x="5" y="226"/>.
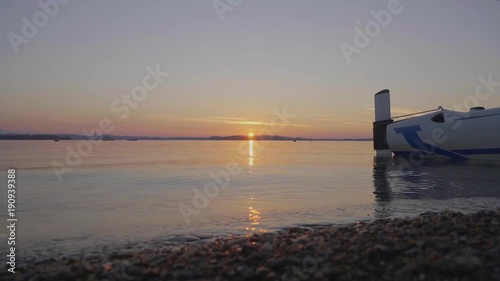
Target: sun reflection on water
<point x="250" y="153"/>
<point x="254" y="216"/>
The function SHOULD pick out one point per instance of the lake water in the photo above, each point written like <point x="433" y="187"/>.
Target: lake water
<point x="130" y="193"/>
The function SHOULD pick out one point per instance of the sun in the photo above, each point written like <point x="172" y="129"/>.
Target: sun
<point x="251" y="135"/>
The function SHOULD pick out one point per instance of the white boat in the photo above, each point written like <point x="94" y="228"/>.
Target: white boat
<point x="443" y="133"/>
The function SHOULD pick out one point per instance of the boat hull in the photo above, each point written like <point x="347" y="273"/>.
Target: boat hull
<point x="448" y="134"/>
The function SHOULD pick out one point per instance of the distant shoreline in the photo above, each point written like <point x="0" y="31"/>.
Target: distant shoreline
<point x="213" y="138"/>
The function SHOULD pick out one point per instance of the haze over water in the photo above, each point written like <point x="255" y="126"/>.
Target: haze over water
<point x="129" y="193"/>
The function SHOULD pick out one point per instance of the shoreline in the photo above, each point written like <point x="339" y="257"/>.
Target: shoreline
<point x="431" y="246"/>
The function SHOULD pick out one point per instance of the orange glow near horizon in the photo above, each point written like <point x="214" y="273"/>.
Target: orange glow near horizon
<point x="139" y="125"/>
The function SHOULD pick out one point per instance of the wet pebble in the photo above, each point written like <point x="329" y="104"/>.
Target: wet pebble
<point x="432" y="246"/>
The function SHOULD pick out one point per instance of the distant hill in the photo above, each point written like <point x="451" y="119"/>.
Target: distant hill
<point x="4" y="135"/>
<point x="263" y="137"/>
<point x="31" y="137"/>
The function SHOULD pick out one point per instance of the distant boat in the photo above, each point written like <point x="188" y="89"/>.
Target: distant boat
<point x="107" y="138"/>
<point x="438" y="133"/>
<point x="56" y="140"/>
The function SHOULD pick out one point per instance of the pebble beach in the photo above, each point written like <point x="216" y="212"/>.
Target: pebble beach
<point x="431" y="246"/>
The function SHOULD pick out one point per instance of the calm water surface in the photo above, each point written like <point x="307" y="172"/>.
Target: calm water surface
<point x="130" y="193"/>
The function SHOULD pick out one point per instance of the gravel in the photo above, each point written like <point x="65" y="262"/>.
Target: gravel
<point x="433" y="246"/>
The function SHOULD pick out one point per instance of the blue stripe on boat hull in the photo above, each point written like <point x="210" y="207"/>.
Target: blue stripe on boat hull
<point x="478" y="151"/>
<point x="484" y="151"/>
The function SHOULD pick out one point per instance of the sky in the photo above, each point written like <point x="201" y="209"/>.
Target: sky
<point x="232" y="63"/>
